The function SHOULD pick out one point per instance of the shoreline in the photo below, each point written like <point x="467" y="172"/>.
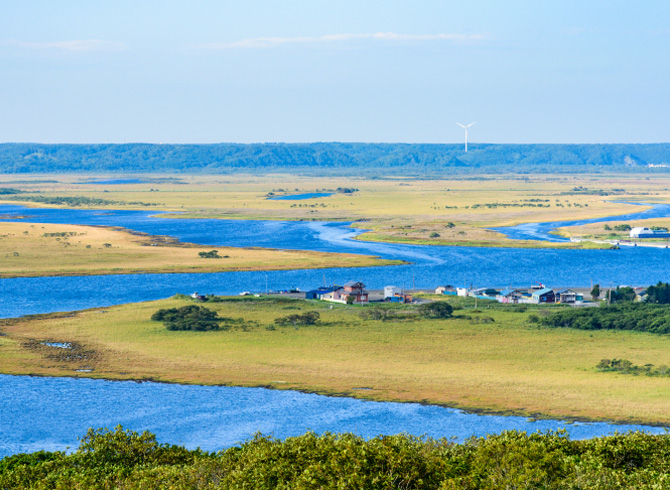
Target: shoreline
<point x="472" y="410"/>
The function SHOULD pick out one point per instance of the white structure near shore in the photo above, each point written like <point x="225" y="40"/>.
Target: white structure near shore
<point x="644" y="232"/>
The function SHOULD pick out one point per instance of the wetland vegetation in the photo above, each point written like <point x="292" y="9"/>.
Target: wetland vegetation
<point x="454" y="210"/>
<point x="493" y="360"/>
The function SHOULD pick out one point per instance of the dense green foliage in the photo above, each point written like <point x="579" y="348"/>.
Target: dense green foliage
<point x="212" y="254"/>
<point x="625" y="366"/>
<point x="437" y="309"/>
<point x="625" y="316"/>
<point x="330" y="157"/>
<point x="511" y="460"/>
<point x="621" y="294"/>
<point x="658" y="294"/>
<point x="189" y="317"/>
<point x="307" y="318"/>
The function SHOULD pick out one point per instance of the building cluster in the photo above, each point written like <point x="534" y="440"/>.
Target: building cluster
<point x="353" y="292"/>
<point x="536" y="294"/>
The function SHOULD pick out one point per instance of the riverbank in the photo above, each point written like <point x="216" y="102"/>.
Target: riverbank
<point x="41" y="249"/>
<point x="497" y="242"/>
<point x="484" y="361"/>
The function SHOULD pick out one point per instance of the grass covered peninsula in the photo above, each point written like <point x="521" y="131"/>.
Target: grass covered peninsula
<point x="496" y="360"/>
<point x="40" y="249"/>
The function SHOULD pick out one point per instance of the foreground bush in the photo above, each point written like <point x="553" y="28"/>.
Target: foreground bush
<point x="511" y="460"/>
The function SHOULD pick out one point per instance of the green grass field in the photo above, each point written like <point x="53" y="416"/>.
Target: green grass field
<point x="491" y="360"/>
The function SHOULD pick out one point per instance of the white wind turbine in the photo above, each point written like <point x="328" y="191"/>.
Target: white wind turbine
<point x="466" y="133"/>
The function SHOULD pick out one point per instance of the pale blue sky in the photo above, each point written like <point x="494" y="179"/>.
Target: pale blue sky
<point x="298" y="71"/>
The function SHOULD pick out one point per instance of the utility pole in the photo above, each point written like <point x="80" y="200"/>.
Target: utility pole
<point x="609" y="295"/>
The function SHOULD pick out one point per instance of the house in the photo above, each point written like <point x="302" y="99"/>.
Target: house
<point x="391" y="291"/>
<point x="320" y="291"/>
<point x="400" y="298"/>
<point x="640" y="294"/>
<point x="644" y="232"/>
<point x="484" y="293"/>
<point x="355" y="290"/>
<point x="352" y="292"/>
<point x="199" y="297"/>
<point x="462" y="292"/>
<point x="450" y="290"/>
<point x="567" y="296"/>
<point x="512" y="296"/>
<point x="545" y="295"/>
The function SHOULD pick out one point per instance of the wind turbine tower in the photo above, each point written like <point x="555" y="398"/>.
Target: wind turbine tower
<point x="466" y="133"/>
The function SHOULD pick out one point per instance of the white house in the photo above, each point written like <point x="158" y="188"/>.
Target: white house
<point x="391" y="291"/>
<point x="644" y="232"/>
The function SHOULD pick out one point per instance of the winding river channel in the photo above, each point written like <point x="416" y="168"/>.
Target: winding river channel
<point x="49" y="413"/>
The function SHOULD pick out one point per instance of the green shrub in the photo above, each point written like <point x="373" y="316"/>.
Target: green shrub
<point x="437" y="309"/>
<point x="191" y="317"/>
<point x="212" y="254"/>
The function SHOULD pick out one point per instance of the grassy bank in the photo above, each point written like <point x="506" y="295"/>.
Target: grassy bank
<point x="34" y="249"/>
<point x="474" y="242"/>
<point x="492" y="360"/>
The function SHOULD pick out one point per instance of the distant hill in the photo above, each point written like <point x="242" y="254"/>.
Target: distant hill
<point x="363" y="158"/>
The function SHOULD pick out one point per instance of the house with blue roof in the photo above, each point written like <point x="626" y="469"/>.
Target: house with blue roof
<point x="544" y="295"/>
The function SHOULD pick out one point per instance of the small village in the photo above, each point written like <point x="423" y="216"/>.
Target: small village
<point x="355" y="293"/>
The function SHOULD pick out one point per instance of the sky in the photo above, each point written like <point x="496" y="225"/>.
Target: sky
<point x="205" y="71"/>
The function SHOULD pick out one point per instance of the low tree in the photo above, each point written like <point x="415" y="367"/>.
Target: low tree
<point x="189" y="317"/>
<point x="658" y="294"/>
<point x="308" y="318"/>
<point x="376" y="313"/>
<point x="437" y="309"/>
<point x="621" y="294"/>
<point x="212" y="254"/>
<point x="595" y="292"/>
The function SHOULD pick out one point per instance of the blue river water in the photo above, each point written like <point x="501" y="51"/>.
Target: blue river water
<point x="301" y="197"/>
<point x="50" y="413"/>
<point x="428" y="267"/>
<point x="541" y="231"/>
<point x="116" y="181"/>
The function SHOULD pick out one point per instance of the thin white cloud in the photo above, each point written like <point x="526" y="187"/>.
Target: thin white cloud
<point x="78" y="46"/>
<point x="269" y="42"/>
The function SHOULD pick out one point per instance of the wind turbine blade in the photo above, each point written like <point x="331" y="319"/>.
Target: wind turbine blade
<point x="471" y="124"/>
<point x="461" y="125"/>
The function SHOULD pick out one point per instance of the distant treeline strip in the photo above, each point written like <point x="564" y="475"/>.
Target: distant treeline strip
<point x="550" y="461"/>
<point x="333" y="157"/>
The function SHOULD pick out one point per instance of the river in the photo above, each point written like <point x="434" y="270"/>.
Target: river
<point x="49" y="413"/>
